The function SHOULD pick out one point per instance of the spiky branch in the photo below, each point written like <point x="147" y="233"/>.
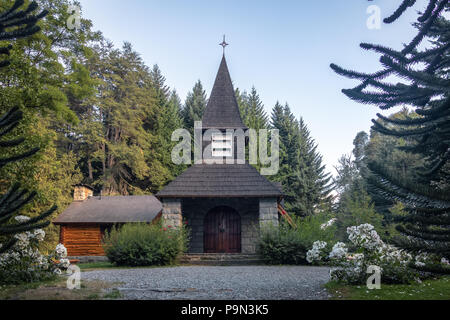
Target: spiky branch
<point x="427" y="89"/>
<point x="16" y="23"/>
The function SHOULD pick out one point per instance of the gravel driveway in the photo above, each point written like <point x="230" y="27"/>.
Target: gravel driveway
<point x="217" y="283"/>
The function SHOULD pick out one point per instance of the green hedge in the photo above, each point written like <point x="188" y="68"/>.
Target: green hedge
<point x="139" y="244"/>
<point x="286" y="245"/>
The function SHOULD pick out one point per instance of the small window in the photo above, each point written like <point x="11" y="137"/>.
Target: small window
<point x="222" y="145"/>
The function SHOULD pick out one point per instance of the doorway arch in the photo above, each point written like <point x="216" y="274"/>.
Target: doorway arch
<point x="222" y="231"/>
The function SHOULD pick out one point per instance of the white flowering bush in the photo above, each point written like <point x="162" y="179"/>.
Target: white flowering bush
<point x="317" y="253"/>
<point x="328" y="224"/>
<point x="339" y="251"/>
<point x="370" y="250"/>
<point x="24" y="263"/>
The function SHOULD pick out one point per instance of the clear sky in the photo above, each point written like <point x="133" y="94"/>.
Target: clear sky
<point x="283" y="48"/>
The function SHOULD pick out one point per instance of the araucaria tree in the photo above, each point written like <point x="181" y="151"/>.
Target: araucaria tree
<point x="426" y="88"/>
<point x="16" y="23"/>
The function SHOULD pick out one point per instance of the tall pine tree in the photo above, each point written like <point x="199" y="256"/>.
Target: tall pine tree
<point x="252" y="110"/>
<point x="305" y="184"/>
<point x="194" y="106"/>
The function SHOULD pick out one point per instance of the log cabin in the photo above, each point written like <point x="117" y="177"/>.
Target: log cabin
<point x="84" y="223"/>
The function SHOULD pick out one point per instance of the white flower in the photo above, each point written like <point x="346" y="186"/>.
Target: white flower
<point x="420" y="264"/>
<point x="61" y="251"/>
<point x="314" y="255"/>
<point x="328" y="224"/>
<point x="339" y="251"/>
<point x="22" y="219"/>
<point x="445" y="261"/>
<point x="25" y="256"/>
<point x="23" y="240"/>
<point x="64" y="263"/>
<point x="365" y="236"/>
<point x="422" y="259"/>
<point x="39" y="234"/>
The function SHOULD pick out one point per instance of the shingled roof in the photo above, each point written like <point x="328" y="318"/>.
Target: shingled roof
<point x="220" y="181"/>
<point x="222" y="111"/>
<point x="110" y="210"/>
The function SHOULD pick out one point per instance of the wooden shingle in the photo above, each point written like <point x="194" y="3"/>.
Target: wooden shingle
<point x="222" y="110"/>
<point x="220" y="181"/>
<point x="111" y="210"/>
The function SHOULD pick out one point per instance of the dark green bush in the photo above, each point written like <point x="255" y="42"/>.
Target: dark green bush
<point x="286" y="245"/>
<point x="139" y="244"/>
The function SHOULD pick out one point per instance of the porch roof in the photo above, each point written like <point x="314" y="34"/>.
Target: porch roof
<point x="220" y="181"/>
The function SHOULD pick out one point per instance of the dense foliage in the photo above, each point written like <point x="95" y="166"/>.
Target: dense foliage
<point x="136" y="245"/>
<point x="288" y="245"/>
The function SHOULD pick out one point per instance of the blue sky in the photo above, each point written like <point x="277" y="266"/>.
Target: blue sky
<point x="283" y="48"/>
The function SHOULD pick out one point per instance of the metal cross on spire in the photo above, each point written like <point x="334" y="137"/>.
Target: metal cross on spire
<point x="224" y="44"/>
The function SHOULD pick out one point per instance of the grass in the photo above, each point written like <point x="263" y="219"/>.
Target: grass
<point x="436" y="289"/>
<point x="113" y="295"/>
<point x="96" y="265"/>
<point x="57" y="290"/>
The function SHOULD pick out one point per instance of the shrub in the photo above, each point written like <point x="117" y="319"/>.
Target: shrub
<point x="140" y="244"/>
<point x="23" y="263"/>
<point x="370" y="250"/>
<point x="286" y="245"/>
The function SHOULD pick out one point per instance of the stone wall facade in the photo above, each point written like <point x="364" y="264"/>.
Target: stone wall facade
<point x="254" y="212"/>
<point x="82" y="193"/>
<point x="268" y="211"/>
<point x="171" y="212"/>
<point x="195" y="210"/>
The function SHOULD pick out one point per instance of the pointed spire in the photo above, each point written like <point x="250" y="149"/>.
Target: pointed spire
<point x="222" y="111"/>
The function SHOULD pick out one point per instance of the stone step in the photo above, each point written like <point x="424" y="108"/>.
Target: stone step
<point x="220" y="259"/>
<point x="220" y="256"/>
<point x="222" y="263"/>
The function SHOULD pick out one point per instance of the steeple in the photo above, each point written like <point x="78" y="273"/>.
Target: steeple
<point x="222" y="111"/>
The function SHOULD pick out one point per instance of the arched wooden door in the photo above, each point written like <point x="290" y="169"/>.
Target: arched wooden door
<point x="222" y="231"/>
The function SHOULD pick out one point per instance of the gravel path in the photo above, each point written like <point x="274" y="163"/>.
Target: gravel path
<point x="217" y="283"/>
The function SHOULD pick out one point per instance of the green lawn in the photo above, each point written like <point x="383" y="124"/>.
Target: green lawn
<point x="56" y="289"/>
<point x="437" y="289"/>
<point x="96" y="265"/>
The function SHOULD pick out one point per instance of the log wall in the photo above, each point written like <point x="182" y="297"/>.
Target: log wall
<point x="82" y="240"/>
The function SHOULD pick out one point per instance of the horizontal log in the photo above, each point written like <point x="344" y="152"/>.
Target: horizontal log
<point x="83" y="240"/>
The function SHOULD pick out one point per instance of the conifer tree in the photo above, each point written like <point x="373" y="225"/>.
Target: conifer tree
<point x="426" y="89"/>
<point x="14" y="24"/>
<point x="305" y="184"/>
<point x="159" y="83"/>
<point x="171" y="120"/>
<point x="252" y="110"/>
<point x="194" y="106"/>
